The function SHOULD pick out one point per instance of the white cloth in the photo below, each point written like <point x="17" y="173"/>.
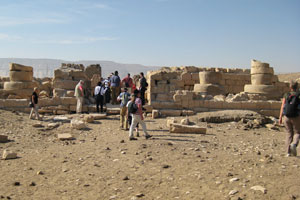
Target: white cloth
<point x="36" y="112"/>
<point x="100" y="89"/>
<point x="79" y="104"/>
<point x="137" y="119"/>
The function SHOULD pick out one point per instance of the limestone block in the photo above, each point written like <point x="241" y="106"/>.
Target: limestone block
<point x="165" y="105"/>
<point x="20" y="76"/>
<point x="189" y="82"/>
<point x="261" y="79"/>
<point x="78" y="75"/>
<point x="65" y="136"/>
<point x="9" y="103"/>
<point x="68" y="100"/>
<point x="179" y="128"/>
<point x="248" y="105"/>
<point x="232" y="105"/>
<point x="98" y="116"/>
<point x="187" y="112"/>
<point x="190" y="69"/>
<point x="156" y="76"/>
<point x="62" y="107"/>
<point x="77" y="124"/>
<point x="91" y="70"/>
<point x="216" y="104"/>
<point x="195" y="77"/>
<point x="59" y="74"/>
<point x="258" y="67"/>
<point x="3" y="138"/>
<point x="210" y="77"/>
<point x="155" y="114"/>
<point x="171" y="121"/>
<point x="164" y="97"/>
<point x="8" y="155"/>
<point x="275" y="105"/>
<point x="186" y="76"/>
<point x="261" y="89"/>
<point x="65" y="84"/>
<point x="57" y="92"/>
<point x="88" y="118"/>
<point x="70" y="93"/>
<point x="170" y="75"/>
<point x="18" y="67"/>
<point x="209" y="89"/>
<point x="19" y="85"/>
<point x="61" y="112"/>
<point x="263" y="105"/>
<point x="49" y="102"/>
<point x="273" y="113"/>
<point x="148" y="108"/>
<point x="84" y="108"/>
<point x="113" y="111"/>
<point x="44" y="94"/>
<point x="166" y="112"/>
<point x="95" y="79"/>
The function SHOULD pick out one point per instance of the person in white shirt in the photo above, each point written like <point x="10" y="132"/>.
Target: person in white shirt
<point x="99" y="96"/>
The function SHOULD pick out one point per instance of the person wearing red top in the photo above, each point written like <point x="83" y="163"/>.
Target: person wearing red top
<point x="128" y="83"/>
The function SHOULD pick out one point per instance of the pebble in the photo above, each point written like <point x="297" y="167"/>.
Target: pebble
<point x="233" y="192"/>
<point x="233" y="179"/>
<point x="122" y="141"/>
<point x="40" y="173"/>
<point x="140" y="195"/>
<point x="166" y="166"/>
<point x="259" y="188"/>
<point x="32" y="184"/>
<point x="126" y="178"/>
<point x="17" y="183"/>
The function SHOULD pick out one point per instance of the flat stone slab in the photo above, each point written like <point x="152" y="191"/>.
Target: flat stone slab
<point x="113" y="111"/>
<point x="61" y="119"/>
<point x="65" y="136"/>
<point x="3" y="138"/>
<point x="77" y="124"/>
<point x="98" y="116"/>
<point x="179" y="128"/>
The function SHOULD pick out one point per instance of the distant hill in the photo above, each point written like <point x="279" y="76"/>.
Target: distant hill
<point x="45" y="67"/>
<point x="289" y="77"/>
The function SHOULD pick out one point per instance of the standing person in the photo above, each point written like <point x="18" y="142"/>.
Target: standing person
<point x="115" y="87"/>
<point x="129" y="113"/>
<point x="143" y="87"/>
<point x="128" y="83"/>
<point x="137" y="116"/>
<point x="79" y="94"/>
<point x="99" y="95"/>
<point x="34" y="104"/>
<point x="124" y="98"/>
<point x="290" y="108"/>
<point x="107" y="94"/>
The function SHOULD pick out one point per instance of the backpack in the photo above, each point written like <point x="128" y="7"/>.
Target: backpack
<point x="125" y="98"/>
<point x="291" y="105"/>
<point x="144" y="82"/>
<point x="132" y="108"/>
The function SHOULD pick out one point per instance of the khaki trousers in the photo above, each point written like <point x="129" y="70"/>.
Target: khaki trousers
<point x="123" y="117"/>
<point x="292" y="126"/>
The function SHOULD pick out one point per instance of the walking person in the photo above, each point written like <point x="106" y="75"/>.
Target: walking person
<point x="115" y="87"/>
<point x="290" y="116"/>
<point x="129" y="114"/>
<point x="79" y="94"/>
<point x="124" y="98"/>
<point x="99" y="96"/>
<point x="34" y="104"/>
<point x="143" y="87"/>
<point x="137" y="115"/>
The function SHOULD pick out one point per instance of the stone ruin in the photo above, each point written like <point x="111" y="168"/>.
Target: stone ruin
<point x="172" y="91"/>
<point x="180" y="91"/>
<point x="20" y="84"/>
<point x="56" y="94"/>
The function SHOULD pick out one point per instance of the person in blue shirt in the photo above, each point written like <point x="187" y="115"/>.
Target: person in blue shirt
<point x="115" y="87"/>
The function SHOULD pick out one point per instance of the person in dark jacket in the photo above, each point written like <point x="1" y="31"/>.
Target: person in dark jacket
<point x="34" y="104"/>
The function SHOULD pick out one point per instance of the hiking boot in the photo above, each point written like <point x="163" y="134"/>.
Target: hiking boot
<point x="148" y="136"/>
<point x="288" y="155"/>
<point x="293" y="149"/>
<point x="132" y="138"/>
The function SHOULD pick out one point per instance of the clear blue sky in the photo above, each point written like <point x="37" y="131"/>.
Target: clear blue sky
<point x="216" y="33"/>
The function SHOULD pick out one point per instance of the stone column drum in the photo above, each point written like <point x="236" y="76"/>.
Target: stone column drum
<point x="21" y="81"/>
<point x="209" y="83"/>
<point x="262" y="76"/>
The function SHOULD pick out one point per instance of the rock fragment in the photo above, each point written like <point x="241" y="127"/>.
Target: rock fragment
<point x="77" y="124"/>
<point x="259" y="188"/>
<point x="65" y="136"/>
<point x="3" y="138"/>
<point x="8" y="155"/>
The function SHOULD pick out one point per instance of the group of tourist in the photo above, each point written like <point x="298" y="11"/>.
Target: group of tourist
<point x="131" y="101"/>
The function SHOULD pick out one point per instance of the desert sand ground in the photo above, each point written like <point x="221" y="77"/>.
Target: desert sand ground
<point x="101" y="163"/>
